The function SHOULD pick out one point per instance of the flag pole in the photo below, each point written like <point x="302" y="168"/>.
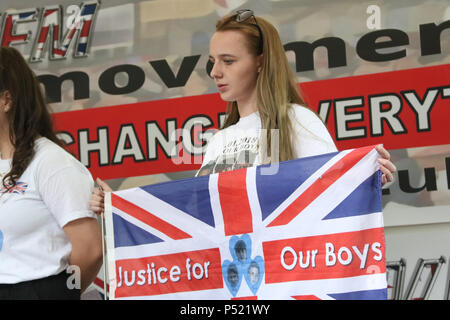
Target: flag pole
<point x="104" y="256"/>
<point x="105" y="261"/>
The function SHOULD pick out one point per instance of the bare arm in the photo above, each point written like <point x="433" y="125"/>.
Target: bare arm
<point x="85" y="236"/>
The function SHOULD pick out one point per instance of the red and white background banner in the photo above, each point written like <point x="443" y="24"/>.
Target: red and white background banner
<point x="135" y="104"/>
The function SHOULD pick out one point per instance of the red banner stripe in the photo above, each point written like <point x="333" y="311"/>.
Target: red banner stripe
<point x="178" y="110"/>
<point x="148" y="218"/>
<point x="320" y="185"/>
<point x="417" y="81"/>
<point x="237" y="215"/>
<point x="137" y="114"/>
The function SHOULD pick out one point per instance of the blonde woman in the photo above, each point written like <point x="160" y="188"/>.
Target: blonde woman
<point x="267" y="120"/>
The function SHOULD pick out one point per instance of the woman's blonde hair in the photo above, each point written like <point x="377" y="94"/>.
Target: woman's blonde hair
<point x="276" y="85"/>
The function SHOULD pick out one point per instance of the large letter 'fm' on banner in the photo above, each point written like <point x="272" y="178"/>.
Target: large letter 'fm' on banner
<point x="313" y="230"/>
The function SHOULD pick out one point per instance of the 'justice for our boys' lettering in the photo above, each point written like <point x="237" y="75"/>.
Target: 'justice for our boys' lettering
<point x="333" y="256"/>
<point x="177" y="272"/>
<point x="305" y="258"/>
<point x="158" y="274"/>
<point x="309" y="258"/>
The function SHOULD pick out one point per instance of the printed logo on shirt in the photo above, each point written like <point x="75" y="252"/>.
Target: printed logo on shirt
<point x="240" y="160"/>
<point x="242" y="144"/>
<point x="19" y="188"/>
<point x="235" y="154"/>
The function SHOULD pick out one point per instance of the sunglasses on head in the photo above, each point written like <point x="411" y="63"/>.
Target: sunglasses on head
<point x="245" y="14"/>
<point x="242" y="16"/>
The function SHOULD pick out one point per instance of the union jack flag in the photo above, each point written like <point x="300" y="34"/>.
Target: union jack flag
<point x="19" y="188"/>
<point x="313" y="230"/>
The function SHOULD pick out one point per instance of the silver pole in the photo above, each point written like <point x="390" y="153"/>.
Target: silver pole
<point x="104" y="256"/>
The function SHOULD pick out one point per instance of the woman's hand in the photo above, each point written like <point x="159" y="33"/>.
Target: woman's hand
<point x="386" y="166"/>
<point x="96" y="203"/>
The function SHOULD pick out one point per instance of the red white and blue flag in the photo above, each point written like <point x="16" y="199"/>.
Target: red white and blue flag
<point x="19" y="188"/>
<point x="312" y="230"/>
<point x="51" y="28"/>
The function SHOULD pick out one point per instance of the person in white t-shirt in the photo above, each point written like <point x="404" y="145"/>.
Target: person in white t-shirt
<point x="267" y="120"/>
<point x="50" y="242"/>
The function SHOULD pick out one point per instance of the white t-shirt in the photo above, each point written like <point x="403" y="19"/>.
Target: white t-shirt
<point x="53" y="190"/>
<point x="237" y="146"/>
